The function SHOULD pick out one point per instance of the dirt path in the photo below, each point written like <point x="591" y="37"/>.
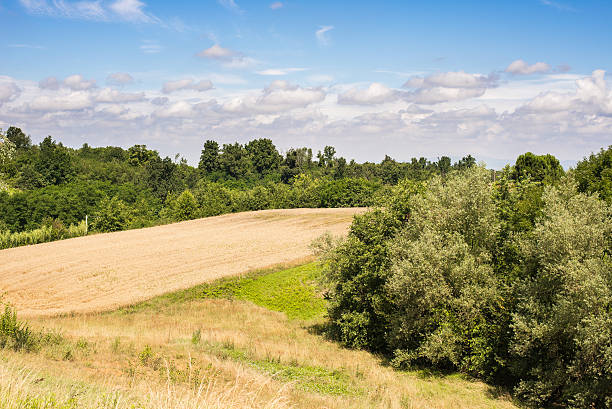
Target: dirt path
<point x="104" y="271"/>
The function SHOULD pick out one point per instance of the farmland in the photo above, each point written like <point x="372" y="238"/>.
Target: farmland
<point x="104" y="271"/>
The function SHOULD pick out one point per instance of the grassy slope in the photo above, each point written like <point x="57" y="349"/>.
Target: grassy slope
<point x="245" y="342"/>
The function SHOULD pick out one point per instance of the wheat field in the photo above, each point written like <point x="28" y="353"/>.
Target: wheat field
<point x="104" y="271"/>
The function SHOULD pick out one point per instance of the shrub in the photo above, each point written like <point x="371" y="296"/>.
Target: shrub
<point x="112" y="215"/>
<point x="508" y="281"/>
<point x="15" y="334"/>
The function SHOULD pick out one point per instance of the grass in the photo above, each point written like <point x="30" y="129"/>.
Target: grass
<point x="238" y="343"/>
<point x="293" y="291"/>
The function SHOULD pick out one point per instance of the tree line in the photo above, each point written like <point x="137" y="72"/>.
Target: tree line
<point x="136" y="187"/>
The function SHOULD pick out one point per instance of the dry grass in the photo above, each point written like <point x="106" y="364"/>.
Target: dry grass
<point x="104" y="271"/>
<point x="138" y="352"/>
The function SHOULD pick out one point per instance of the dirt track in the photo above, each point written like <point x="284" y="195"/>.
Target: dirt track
<point x="104" y="271"/>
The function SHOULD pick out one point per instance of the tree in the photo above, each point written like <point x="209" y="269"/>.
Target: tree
<point x="542" y="168"/>
<point x="20" y="139"/>
<point x="183" y="207"/>
<point x="235" y="161"/>
<point x="112" y="215"/>
<point x="263" y="155"/>
<point x="209" y="159"/>
<point x="139" y="155"/>
<point x="595" y="174"/>
<point x="53" y="163"/>
<point x="465" y="162"/>
<point x="444" y="165"/>
<point x="7" y="149"/>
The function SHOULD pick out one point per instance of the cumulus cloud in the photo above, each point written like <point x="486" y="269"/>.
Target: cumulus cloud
<point x="229" y="58"/>
<point x="8" y="91"/>
<point x="78" y="83"/>
<point x="592" y="96"/>
<point x="447" y="86"/>
<point x="277" y="97"/>
<point x="119" y="78"/>
<point x="186" y="84"/>
<point x="49" y="83"/>
<point x="322" y="36"/>
<point x="74" y="82"/>
<point x="376" y="93"/>
<point x="520" y="67"/>
<point x="70" y="102"/>
<point x="113" y="96"/>
<point x="276" y="5"/>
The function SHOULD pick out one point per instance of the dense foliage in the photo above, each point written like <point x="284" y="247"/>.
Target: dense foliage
<point x="507" y="280"/>
<point x="129" y="188"/>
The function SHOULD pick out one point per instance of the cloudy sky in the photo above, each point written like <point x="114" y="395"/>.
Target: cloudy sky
<point x="429" y="78"/>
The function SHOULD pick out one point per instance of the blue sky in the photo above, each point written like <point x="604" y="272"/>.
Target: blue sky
<point x="493" y="79"/>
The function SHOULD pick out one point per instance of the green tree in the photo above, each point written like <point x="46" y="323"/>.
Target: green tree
<point x="539" y="168"/>
<point x="21" y="140"/>
<point x="53" y="163"/>
<point x="182" y="207"/>
<point x="595" y="174"/>
<point x="139" y="155"/>
<point x="235" y="161"/>
<point x="263" y="155"/>
<point x="209" y="159"/>
<point x="111" y="215"/>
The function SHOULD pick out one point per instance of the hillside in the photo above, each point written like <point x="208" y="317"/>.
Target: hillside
<point x="103" y="271"/>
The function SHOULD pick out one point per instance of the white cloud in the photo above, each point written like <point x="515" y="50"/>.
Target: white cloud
<point x="70" y="102"/>
<point x="119" y="78"/>
<point x="558" y="6"/>
<point x="186" y="84"/>
<point x="132" y="10"/>
<point x="96" y="10"/>
<point x="49" y="83"/>
<point x="150" y="47"/>
<point x="113" y="96"/>
<point x="376" y="93"/>
<point x="230" y="5"/>
<point x="276" y="5"/>
<point x="280" y="71"/>
<point x="322" y="36"/>
<point x="229" y="58"/>
<point x="520" y="67"/>
<point x="8" y="91"/>
<point x="78" y="83"/>
<point x="447" y="86"/>
<point x="277" y="97"/>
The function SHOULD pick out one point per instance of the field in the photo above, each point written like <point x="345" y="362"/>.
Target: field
<point x="218" y="340"/>
<point x="249" y="342"/>
<point x="102" y="272"/>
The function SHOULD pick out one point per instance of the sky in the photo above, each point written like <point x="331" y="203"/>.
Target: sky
<point x="405" y="78"/>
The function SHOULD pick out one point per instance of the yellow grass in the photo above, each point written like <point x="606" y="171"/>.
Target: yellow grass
<point x="109" y="354"/>
<point x="104" y="271"/>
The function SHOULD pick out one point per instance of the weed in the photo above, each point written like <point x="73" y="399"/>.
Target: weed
<point x="146" y="355"/>
<point x="196" y="337"/>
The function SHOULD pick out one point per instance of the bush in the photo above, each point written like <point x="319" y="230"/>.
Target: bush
<point x="507" y="281"/>
<point x="112" y="215"/>
<point x="15" y="334"/>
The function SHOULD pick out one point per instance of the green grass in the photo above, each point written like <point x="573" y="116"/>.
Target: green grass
<point x="305" y="377"/>
<point x="293" y="291"/>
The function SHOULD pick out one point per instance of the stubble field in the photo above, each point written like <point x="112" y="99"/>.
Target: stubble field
<point x="104" y="271"/>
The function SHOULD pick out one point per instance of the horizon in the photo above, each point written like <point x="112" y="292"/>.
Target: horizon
<point x="407" y="80"/>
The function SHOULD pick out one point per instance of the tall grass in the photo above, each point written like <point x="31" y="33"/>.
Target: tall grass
<point x="52" y="231"/>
